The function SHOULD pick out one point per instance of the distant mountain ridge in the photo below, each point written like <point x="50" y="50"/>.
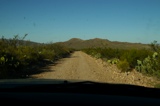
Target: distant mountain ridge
<point x="77" y="43"/>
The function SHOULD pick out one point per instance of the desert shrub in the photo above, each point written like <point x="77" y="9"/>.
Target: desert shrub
<point x="144" y="60"/>
<point x="17" y="55"/>
<point x="9" y="65"/>
<point x="123" y="65"/>
<point x="108" y="53"/>
<point x="111" y="53"/>
<point x="133" y="55"/>
<point x="150" y="65"/>
<point x="130" y="55"/>
<point x="155" y="46"/>
<point x="113" y="61"/>
<point x="98" y="55"/>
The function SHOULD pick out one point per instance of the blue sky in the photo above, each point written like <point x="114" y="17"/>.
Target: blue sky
<point x="59" y="20"/>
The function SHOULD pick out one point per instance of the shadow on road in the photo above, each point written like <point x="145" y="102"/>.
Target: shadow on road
<point x="44" y="66"/>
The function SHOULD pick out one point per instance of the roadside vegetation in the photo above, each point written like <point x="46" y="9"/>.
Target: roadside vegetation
<point x="19" y="58"/>
<point x="145" y="61"/>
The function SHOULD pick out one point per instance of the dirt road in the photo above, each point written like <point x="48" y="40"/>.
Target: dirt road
<point x="80" y="66"/>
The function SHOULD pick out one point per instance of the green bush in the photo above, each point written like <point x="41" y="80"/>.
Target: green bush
<point x="133" y="55"/>
<point x="113" y="61"/>
<point x="123" y="65"/>
<point x="17" y="55"/>
<point x="150" y="65"/>
<point x="144" y="60"/>
<point x="114" y="55"/>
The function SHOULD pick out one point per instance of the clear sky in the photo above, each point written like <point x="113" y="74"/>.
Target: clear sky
<point x="59" y="20"/>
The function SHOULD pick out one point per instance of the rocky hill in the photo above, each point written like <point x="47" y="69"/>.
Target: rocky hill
<point x="77" y="43"/>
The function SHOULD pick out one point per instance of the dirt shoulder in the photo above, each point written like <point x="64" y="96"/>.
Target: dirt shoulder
<point x="80" y="66"/>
